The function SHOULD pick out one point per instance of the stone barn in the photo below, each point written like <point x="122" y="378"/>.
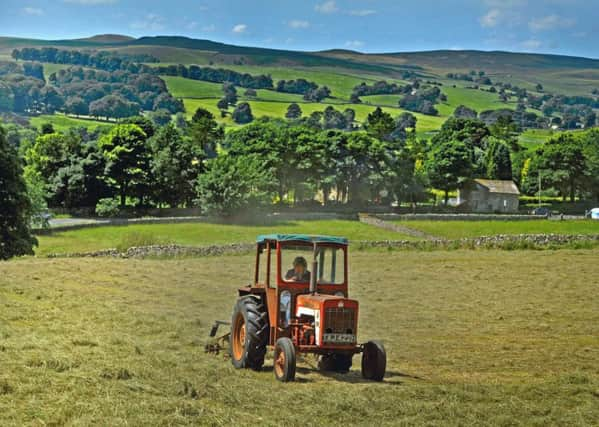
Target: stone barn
<point x="488" y="196"/>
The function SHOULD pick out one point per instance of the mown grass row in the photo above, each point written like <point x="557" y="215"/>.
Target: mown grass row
<point x="485" y="338"/>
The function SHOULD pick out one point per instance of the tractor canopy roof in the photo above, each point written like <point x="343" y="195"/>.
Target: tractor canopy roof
<point x="301" y="238"/>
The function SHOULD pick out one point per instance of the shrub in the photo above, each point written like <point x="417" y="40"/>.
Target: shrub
<point x="107" y="208"/>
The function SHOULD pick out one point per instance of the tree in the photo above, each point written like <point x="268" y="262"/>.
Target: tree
<point x="293" y="111"/>
<point x="230" y="93"/>
<point x="243" y="113"/>
<point x="562" y="164"/>
<point x="161" y="117"/>
<point x="499" y="163"/>
<point x="222" y="104"/>
<point x="77" y="106"/>
<point x="463" y="112"/>
<point x="448" y="165"/>
<point x="379" y="124"/>
<point x="176" y="163"/>
<point x="234" y="184"/>
<point x="205" y="132"/>
<point x="127" y="160"/>
<point x="15" y="205"/>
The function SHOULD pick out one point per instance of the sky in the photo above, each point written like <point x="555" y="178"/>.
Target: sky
<point x="568" y="27"/>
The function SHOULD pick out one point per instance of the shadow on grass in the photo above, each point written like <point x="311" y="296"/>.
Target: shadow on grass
<point x="352" y="377"/>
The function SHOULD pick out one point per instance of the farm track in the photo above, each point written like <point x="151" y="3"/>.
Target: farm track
<point x="377" y="222"/>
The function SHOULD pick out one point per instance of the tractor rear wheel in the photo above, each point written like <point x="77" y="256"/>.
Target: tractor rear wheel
<point x="249" y="333"/>
<point x="335" y="362"/>
<point x="374" y="361"/>
<point x="284" y="360"/>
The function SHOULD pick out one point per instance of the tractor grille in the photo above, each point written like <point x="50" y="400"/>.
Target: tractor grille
<point x="340" y="320"/>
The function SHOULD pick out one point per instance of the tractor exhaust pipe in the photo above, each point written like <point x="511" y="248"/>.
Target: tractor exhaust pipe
<point x="313" y="276"/>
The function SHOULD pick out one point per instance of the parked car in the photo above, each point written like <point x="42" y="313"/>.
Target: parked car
<point x="594" y="213"/>
<point x="541" y="211"/>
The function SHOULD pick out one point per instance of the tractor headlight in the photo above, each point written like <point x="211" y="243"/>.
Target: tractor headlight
<point x="339" y="294"/>
<point x="285" y="307"/>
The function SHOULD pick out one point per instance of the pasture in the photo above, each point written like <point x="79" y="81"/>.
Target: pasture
<point x="473" y="338"/>
<point x="200" y="234"/>
<point x="461" y="229"/>
<point x="63" y="123"/>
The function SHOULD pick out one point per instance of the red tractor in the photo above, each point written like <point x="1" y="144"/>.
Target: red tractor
<point x="299" y="303"/>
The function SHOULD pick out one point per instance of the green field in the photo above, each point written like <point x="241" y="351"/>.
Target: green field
<point x="278" y="109"/>
<point x="63" y="123"/>
<point x="460" y="229"/>
<point x="200" y="234"/>
<point x="472" y="338"/>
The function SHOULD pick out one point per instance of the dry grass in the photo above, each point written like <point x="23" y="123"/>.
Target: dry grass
<point x="485" y="337"/>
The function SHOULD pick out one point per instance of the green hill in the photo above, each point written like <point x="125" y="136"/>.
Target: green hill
<point x="342" y="70"/>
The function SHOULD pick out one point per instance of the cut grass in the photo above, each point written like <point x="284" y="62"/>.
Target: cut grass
<point x="460" y="229"/>
<point x="472" y="338"/>
<point x="199" y="234"/>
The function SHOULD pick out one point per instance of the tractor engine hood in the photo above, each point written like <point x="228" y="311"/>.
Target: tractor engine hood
<point x="335" y="318"/>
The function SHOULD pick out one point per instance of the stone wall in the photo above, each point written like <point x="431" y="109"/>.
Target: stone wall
<point x="517" y="241"/>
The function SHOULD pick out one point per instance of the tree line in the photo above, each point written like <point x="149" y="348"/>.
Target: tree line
<point x="83" y="91"/>
<point x="103" y="60"/>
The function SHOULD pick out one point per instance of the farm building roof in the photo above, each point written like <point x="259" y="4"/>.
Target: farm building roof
<point x="499" y="186"/>
<point x="301" y="238"/>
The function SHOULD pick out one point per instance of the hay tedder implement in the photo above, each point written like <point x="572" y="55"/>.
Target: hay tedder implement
<point x="298" y="306"/>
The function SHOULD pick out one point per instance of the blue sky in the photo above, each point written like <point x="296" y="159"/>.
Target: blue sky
<point x="568" y="27"/>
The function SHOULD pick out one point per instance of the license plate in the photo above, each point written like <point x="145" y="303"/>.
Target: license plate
<point x="339" y="338"/>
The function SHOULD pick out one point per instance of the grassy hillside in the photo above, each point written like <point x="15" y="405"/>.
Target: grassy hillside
<point x="472" y="338"/>
<point x="341" y="70"/>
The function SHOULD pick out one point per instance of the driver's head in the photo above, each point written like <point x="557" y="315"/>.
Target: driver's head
<point x="300" y="265"/>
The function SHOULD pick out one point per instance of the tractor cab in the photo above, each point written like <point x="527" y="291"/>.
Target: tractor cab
<point x="299" y="302"/>
<point x="290" y="265"/>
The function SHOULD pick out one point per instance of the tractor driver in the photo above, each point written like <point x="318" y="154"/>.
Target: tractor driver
<point x="299" y="272"/>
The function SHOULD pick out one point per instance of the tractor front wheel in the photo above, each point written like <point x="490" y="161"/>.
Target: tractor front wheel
<point x="374" y="361"/>
<point x="284" y="360"/>
<point x="249" y="333"/>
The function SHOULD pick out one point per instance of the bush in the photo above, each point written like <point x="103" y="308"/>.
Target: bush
<point x="107" y="208"/>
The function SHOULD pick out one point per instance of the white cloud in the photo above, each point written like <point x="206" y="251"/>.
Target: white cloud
<point x="550" y="22"/>
<point x="90" y="2"/>
<point x="531" y="44"/>
<point x="491" y="18"/>
<point x="240" y="28"/>
<point x="327" y="7"/>
<point x="297" y="24"/>
<point x="354" y="44"/>
<point x="151" y="22"/>
<point x="191" y="25"/>
<point x="209" y="28"/>
<point x="362" y="12"/>
<point x="33" y="11"/>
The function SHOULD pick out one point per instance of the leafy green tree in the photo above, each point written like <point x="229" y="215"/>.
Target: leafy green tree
<point x="293" y="111"/>
<point x="176" y="163"/>
<point x="205" y="132"/>
<point x="499" y="163"/>
<point x="15" y="205"/>
<point x="379" y="124"/>
<point x="243" y="113"/>
<point x="562" y="164"/>
<point x="77" y="106"/>
<point x="230" y="93"/>
<point x="127" y="158"/>
<point x="448" y="165"/>
<point x="161" y="117"/>
<point x="235" y="184"/>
